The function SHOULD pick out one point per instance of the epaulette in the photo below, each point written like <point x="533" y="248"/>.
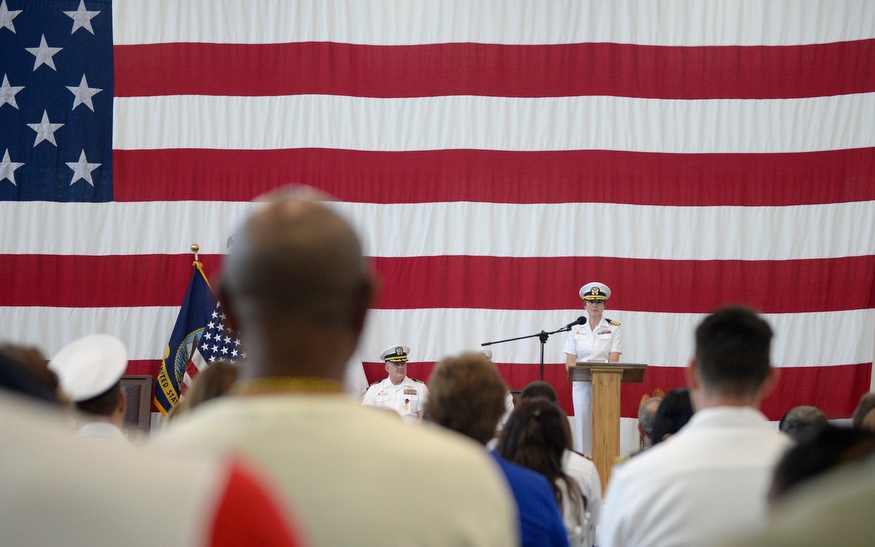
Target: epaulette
<point x="611" y="321"/>
<point x="416" y="380"/>
<point x="375" y="383"/>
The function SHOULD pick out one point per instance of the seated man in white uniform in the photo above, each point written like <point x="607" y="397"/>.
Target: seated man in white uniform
<point x="404" y="395"/>
<point x="90" y="370"/>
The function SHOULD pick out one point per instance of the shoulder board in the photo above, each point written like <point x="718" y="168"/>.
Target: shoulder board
<point x="375" y="383"/>
<point x="587" y="456"/>
<point x="416" y="380"/>
<point x="611" y="321"/>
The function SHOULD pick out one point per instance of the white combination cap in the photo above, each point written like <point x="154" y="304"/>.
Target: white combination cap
<point x="395" y="354"/>
<point x="595" y="291"/>
<point x="89" y="366"/>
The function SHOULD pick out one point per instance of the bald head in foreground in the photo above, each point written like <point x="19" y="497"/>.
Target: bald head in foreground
<point x="297" y="288"/>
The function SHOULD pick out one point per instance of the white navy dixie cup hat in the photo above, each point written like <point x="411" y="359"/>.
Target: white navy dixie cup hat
<point x="89" y="366"/>
<point x="395" y="354"/>
<point x="595" y="291"/>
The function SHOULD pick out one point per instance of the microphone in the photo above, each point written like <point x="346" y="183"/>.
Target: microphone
<point x="579" y="321"/>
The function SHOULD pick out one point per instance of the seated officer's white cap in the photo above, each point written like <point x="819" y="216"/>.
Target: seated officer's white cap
<point x="395" y="354"/>
<point x="89" y="366"/>
<point x="595" y="291"/>
<point x="487" y="353"/>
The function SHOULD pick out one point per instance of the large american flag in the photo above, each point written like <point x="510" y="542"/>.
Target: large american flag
<point x="496" y="155"/>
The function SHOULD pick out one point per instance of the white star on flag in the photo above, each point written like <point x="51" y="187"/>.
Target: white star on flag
<point x="45" y="130"/>
<point x="82" y="169"/>
<point x="82" y="18"/>
<point x="43" y="54"/>
<point x="83" y="93"/>
<point x="6" y="16"/>
<point x="8" y="167"/>
<point x="8" y="92"/>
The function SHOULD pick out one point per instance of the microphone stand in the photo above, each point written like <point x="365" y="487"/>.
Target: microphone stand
<point x="542" y="336"/>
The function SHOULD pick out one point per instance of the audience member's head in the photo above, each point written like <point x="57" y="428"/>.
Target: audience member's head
<point x="294" y="285"/>
<point x="802" y="422"/>
<point x="673" y="413"/>
<point x="211" y="382"/>
<point x="867" y="403"/>
<point x="90" y="370"/>
<point x="536" y="436"/>
<point x="25" y="370"/>
<point x="731" y="365"/>
<point x="466" y="394"/>
<point x="539" y="388"/>
<point x="828" y="448"/>
<point x="647" y="419"/>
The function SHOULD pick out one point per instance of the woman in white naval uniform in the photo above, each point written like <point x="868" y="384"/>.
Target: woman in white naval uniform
<point x="600" y="339"/>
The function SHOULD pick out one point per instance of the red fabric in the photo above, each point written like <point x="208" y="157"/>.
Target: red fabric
<point x="833" y="389"/>
<point x="428" y="70"/>
<point x="419" y="176"/>
<point x="247" y="515"/>
<point x="471" y="282"/>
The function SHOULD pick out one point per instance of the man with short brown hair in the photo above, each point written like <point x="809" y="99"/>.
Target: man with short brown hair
<point x="711" y="478"/>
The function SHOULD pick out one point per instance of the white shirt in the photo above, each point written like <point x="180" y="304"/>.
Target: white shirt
<point x="57" y="489"/>
<point x="102" y="430"/>
<point x="359" y="477"/>
<point x="702" y="485"/>
<point x="407" y="398"/>
<point x="584" y="472"/>
<point x="588" y="344"/>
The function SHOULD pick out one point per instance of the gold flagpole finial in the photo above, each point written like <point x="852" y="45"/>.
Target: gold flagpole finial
<point x="195" y="248"/>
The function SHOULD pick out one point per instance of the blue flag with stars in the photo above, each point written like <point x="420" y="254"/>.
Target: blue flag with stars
<point x="196" y="311"/>
<point x="56" y="101"/>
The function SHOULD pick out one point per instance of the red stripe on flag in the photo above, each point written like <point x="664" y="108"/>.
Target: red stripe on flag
<point x="117" y="280"/>
<point x="475" y="282"/>
<point x="143" y="367"/>
<point x="626" y="70"/>
<point x="834" y="389"/>
<point x="675" y="286"/>
<point x="638" y="178"/>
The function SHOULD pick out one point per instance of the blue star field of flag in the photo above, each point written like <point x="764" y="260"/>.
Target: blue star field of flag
<point x="220" y="343"/>
<point x="56" y="91"/>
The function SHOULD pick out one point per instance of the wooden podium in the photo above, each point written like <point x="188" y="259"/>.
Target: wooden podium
<point x="606" y="378"/>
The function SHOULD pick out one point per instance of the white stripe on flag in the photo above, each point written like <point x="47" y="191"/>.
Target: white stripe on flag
<point x="436" y="333"/>
<point x="433" y="229"/>
<point x="401" y="22"/>
<point x="496" y="123"/>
